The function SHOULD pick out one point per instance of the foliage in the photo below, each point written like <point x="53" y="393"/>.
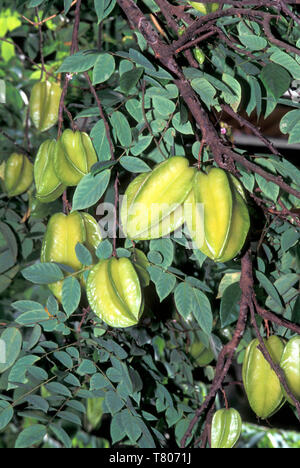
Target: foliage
<point x="70" y="380"/>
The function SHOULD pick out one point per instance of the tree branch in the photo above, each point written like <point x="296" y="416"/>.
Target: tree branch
<point x="227" y="353"/>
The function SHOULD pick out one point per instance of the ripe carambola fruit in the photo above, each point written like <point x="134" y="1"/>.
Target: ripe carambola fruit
<point x="226" y="428"/>
<point x="74" y="156"/>
<point x="153" y="203"/>
<point x="44" y="104"/>
<point x="114" y="292"/>
<point x="261" y="384"/>
<point x="48" y="186"/>
<point x="217" y="216"/>
<point x="205" y="8"/>
<point x="62" y="235"/>
<point x="18" y="174"/>
<point x="290" y="363"/>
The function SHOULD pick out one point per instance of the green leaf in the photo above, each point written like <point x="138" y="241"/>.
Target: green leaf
<point x="10" y="347"/>
<point x="10" y="239"/>
<point x="100" y="141"/>
<point x="71" y="294"/>
<point x="229" y="309"/>
<point x="28" y="306"/>
<point x="227" y="280"/>
<point x="130" y="78"/>
<point x="166" y="248"/>
<point x="140" y="59"/>
<point x="34" y="338"/>
<point x="183" y="299"/>
<point x="269" y="287"/>
<point x="34" y="3"/>
<point x="79" y="62"/>
<point x="295" y="134"/>
<point x="104" y="8"/>
<point x="284" y="285"/>
<point x="276" y="79"/>
<point x="33" y="317"/>
<point x="70" y="417"/>
<point x="61" y="434"/>
<point x="113" y="402"/>
<point x="233" y="98"/>
<point x="164" y="282"/>
<point x="117" y="430"/>
<point x="121" y="128"/>
<point x="38" y="403"/>
<point x="90" y="189"/>
<point x="289" y="121"/>
<point x="202" y="311"/>
<point x="86" y="367"/>
<point x="163" y="105"/>
<point x="17" y="374"/>
<point x="290" y="124"/>
<point x="250" y="40"/>
<point x="140" y="146"/>
<point x="253" y="42"/>
<point x="205" y="90"/>
<point x="134" y="107"/>
<point x="100" y="7"/>
<point x="135" y="165"/>
<point x="98" y="381"/>
<point x="269" y="189"/>
<point x="56" y="387"/>
<point x="131" y="425"/>
<point x="102" y="166"/>
<point x="43" y="273"/>
<point x="184" y="128"/>
<point x="64" y="359"/>
<point x="83" y="254"/>
<point x="289" y="238"/>
<point x="6" y="414"/>
<point x="285" y="60"/>
<point x="104" y="68"/>
<point x="104" y="249"/>
<point x="67" y="6"/>
<point x="255" y="96"/>
<point x="30" y="436"/>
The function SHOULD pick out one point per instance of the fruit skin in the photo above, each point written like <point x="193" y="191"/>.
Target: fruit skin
<point x="93" y="233"/>
<point x="290" y="363"/>
<point x="205" y="8"/>
<point x="226" y="428"/>
<point x="48" y="186"/>
<point x="18" y="174"/>
<point x="261" y="384"/>
<point x="217" y="215"/>
<point x="73" y="157"/>
<point x="153" y="202"/>
<point x="62" y="235"/>
<point x="44" y="104"/>
<point x="114" y="292"/>
<point x="199" y="55"/>
<point x="202" y="355"/>
<point x="2" y="172"/>
<point x="141" y="263"/>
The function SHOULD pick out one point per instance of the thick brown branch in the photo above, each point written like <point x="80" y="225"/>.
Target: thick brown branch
<point x="227" y="353"/>
<point x="163" y="53"/>
<point x="245" y="123"/>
